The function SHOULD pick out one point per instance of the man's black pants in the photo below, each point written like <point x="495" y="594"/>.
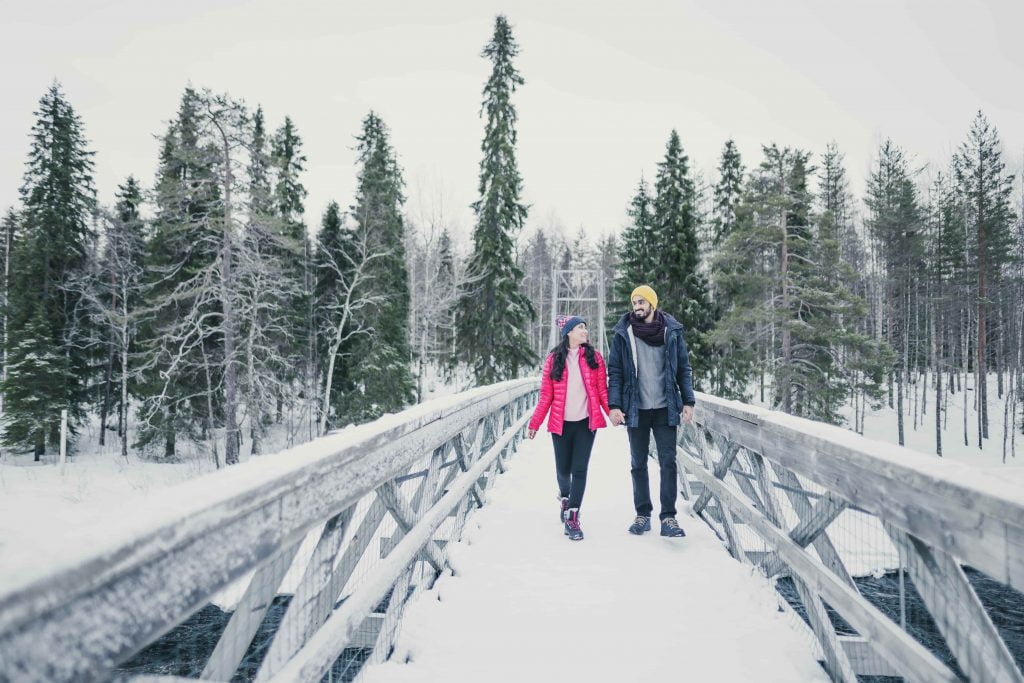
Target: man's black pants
<point x="655" y="421"/>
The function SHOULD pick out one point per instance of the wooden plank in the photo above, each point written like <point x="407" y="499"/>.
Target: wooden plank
<point x="863" y="658"/>
<point x="357" y="545"/>
<point x="836" y="663"/>
<point x="388" y="543"/>
<point x="732" y="541"/>
<point x="366" y="634"/>
<point x="822" y="543"/>
<point x="311" y="600"/>
<point x="961" y="618"/>
<point x="812" y="525"/>
<point x="822" y="515"/>
<point x="934" y="499"/>
<point x="392" y="616"/>
<point x="406" y="518"/>
<point x="907" y="655"/>
<point x="720" y="468"/>
<point x="206" y="538"/>
<point x="248" y="615"/>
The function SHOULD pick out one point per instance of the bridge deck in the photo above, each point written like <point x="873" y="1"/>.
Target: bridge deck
<point x="528" y="604"/>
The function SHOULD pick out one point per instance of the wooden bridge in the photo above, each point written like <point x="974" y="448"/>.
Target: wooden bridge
<point x="299" y="567"/>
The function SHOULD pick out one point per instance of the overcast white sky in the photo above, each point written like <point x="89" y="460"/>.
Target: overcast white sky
<point x="605" y="84"/>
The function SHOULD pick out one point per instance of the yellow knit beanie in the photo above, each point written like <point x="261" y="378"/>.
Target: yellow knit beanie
<point x="647" y="293"/>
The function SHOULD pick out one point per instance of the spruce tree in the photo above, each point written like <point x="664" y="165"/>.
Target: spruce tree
<point x="447" y="280"/>
<point x="985" y="189"/>
<point x="48" y="364"/>
<point x="787" y="309"/>
<point x="183" y="246"/>
<point x="727" y="193"/>
<point x="119" y="297"/>
<point x="333" y="241"/>
<point x="895" y="224"/>
<point x="380" y="371"/>
<point x="636" y="250"/>
<point x="289" y="197"/>
<point x="674" y="263"/>
<point x="9" y="226"/>
<point x="262" y="294"/>
<point x="494" y="315"/>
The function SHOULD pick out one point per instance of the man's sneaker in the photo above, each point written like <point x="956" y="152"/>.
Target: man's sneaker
<point x="565" y="508"/>
<point x="640" y="525"/>
<point x="572" y="525"/>
<point x="670" y="527"/>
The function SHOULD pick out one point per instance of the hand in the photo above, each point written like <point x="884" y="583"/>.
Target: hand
<point x="687" y="414"/>
<point x="530" y="433"/>
<point x="616" y="416"/>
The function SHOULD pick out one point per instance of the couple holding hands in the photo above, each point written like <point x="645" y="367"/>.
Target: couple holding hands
<point x="647" y="385"/>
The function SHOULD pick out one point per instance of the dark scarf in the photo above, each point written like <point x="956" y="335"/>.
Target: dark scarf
<point x="651" y="333"/>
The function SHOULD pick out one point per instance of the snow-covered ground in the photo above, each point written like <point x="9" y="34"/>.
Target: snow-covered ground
<point x="525" y="603"/>
<point x="881" y="425"/>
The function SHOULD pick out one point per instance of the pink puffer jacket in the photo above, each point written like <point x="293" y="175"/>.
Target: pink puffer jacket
<point x="552" y="395"/>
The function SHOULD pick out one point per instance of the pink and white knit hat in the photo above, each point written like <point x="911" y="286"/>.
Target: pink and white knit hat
<point x="565" y="323"/>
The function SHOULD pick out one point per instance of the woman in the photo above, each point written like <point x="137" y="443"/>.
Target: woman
<point x="574" y="388"/>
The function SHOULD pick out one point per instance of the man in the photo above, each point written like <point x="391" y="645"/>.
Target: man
<point x="650" y="388"/>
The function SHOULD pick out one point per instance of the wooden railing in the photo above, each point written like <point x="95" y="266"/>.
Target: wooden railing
<point x="355" y="515"/>
<point x="778" y="489"/>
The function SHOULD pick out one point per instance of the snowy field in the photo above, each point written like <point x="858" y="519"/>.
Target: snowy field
<point x="525" y="603"/>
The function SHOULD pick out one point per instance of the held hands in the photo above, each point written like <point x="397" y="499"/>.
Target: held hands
<point x="616" y="416"/>
<point x="687" y="414"/>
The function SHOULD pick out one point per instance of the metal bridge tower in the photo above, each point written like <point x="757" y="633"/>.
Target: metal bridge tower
<point x="580" y="292"/>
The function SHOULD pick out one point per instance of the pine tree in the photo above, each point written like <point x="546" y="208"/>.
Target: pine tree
<point x="265" y="289"/>
<point x="289" y="196"/>
<point x="636" y="250"/>
<point x="116" y="299"/>
<point x="183" y="247"/>
<point x="47" y="364"/>
<point x="777" y="267"/>
<point x="540" y="261"/>
<point x="731" y="362"/>
<point x="9" y="226"/>
<point x="332" y="243"/>
<point x="446" y="281"/>
<point x="895" y="224"/>
<point x="985" y="188"/>
<point x="841" y="263"/>
<point x="494" y="315"/>
<point x="380" y="371"/>
<point x="727" y="193"/>
<point x="674" y="263"/>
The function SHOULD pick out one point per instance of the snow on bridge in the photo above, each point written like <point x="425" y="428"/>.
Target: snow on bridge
<point x="525" y="603"/>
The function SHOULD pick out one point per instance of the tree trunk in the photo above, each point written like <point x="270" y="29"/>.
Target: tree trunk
<point x="787" y="342"/>
<point x="105" y="402"/>
<point x="227" y="306"/>
<point x="169" y="432"/>
<point x="122" y="410"/>
<point x="936" y="321"/>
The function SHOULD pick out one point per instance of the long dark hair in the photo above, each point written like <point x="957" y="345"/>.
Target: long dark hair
<point x="561" y="352"/>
